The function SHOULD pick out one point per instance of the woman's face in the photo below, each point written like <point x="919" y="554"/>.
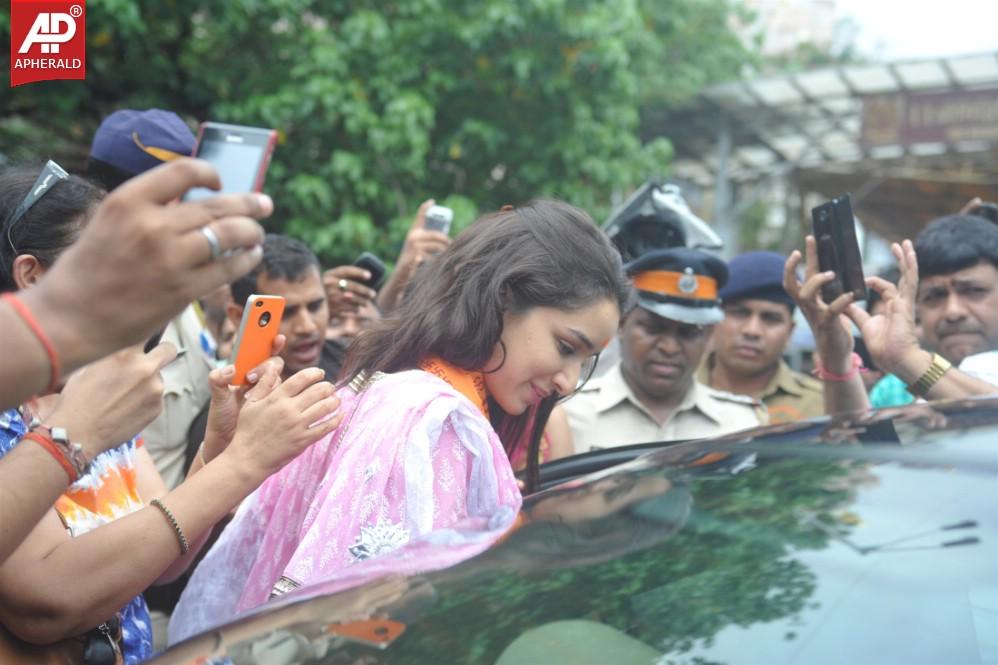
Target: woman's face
<point x="544" y="352"/>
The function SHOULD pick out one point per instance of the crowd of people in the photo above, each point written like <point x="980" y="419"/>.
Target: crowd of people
<point x="392" y="430"/>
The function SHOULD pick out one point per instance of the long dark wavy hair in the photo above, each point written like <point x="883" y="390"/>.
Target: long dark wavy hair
<point x="544" y="254"/>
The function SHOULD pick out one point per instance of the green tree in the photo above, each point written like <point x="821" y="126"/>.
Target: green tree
<point x="380" y="105"/>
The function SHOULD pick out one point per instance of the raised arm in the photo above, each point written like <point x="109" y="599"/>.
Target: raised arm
<point x="102" y="405"/>
<point x="420" y="245"/>
<point x="893" y="344"/>
<point x="843" y="387"/>
<point x="55" y="586"/>
<point x="141" y="259"/>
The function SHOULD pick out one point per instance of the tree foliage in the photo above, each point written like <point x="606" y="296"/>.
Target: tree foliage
<point x="380" y="105"/>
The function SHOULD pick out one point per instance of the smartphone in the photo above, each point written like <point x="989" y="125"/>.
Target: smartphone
<point x="373" y="265"/>
<point x="438" y="218"/>
<point x="240" y="154"/>
<point x="834" y="229"/>
<point x="255" y="338"/>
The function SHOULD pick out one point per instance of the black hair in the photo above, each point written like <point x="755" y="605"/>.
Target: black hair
<point x="956" y="242"/>
<point x="51" y="225"/>
<point x="544" y="254"/>
<point x="107" y="176"/>
<point x="283" y="258"/>
<point x="645" y="233"/>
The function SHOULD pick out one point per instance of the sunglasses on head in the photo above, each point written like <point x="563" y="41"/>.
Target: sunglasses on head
<point x="51" y="174"/>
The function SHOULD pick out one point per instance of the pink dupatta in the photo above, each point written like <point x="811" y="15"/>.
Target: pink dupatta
<point x="414" y="480"/>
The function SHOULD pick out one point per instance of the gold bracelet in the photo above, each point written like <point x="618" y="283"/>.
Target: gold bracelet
<point x="185" y="547"/>
<point x="937" y="368"/>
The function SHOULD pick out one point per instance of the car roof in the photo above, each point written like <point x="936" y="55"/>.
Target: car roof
<point x="799" y="513"/>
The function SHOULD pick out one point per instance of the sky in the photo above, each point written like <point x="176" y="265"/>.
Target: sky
<point x="913" y="29"/>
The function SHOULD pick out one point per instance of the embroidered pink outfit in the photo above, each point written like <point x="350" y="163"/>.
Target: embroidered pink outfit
<point x="415" y="479"/>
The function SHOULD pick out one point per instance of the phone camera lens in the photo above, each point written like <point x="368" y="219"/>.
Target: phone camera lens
<point x="259" y="303"/>
<point x="264" y="319"/>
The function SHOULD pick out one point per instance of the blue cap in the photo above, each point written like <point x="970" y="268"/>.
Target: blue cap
<point x="136" y="141"/>
<point x="757" y="276"/>
<point x="680" y="284"/>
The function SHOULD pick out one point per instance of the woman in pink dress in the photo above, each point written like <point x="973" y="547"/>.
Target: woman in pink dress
<point x="436" y="401"/>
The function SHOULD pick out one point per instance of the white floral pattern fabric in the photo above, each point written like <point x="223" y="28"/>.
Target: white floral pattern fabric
<point x="418" y="481"/>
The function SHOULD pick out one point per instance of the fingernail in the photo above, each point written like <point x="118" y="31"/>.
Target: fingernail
<point x="264" y="201"/>
<point x="229" y="369"/>
<point x="252" y="377"/>
<point x="367" y="274"/>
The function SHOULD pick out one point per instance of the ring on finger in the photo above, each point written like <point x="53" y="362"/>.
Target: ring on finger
<point x="342" y="284"/>
<point x="213" y="243"/>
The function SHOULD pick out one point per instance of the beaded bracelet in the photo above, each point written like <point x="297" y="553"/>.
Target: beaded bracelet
<point x="185" y="546"/>
<point x="36" y="329"/>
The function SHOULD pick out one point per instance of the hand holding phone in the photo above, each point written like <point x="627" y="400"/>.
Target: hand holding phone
<point x="240" y="154"/>
<point x="834" y="229"/>
<point x="438" y="218"/>
<point x="259" y="326"/>
<point x="373" y="265"/>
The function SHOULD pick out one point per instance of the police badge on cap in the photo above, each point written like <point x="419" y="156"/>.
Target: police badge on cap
<point x="680" y="284"/>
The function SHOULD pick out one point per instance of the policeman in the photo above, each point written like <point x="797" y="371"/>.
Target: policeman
<point x="651" y="394"/>
<point x="748" y="345"/>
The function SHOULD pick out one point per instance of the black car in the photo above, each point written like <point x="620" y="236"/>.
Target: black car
<point x="869" y="538"/>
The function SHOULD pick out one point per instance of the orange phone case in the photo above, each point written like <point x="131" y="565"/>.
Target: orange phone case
<point x="255" y="339"/>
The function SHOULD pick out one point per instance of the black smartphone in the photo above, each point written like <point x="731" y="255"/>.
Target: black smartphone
<point x="240" y="154"/>
<point x="834" y="229"/>
<point x="373" y="265"/>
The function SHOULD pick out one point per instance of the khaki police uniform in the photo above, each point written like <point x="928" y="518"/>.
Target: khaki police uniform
<point x="789" y="396"/>
<point x="185" y="392"/>
<point x="606" y="414"/>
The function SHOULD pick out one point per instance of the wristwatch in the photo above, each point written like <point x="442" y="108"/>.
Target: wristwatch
<point x="937" y="368"/>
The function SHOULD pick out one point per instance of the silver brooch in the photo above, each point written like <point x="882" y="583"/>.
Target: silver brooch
<point x="688" y="282"/>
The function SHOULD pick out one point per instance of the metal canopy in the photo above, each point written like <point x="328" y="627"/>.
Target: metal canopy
<point x="813" y="121"/>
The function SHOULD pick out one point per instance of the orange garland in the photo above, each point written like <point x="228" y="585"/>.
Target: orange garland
<point x="468" y="383"/>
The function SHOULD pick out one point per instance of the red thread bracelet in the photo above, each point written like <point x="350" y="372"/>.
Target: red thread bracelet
<point x="53" y="450"/>
<point x="823" y="374"/>
<point x="36" y="329"/>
